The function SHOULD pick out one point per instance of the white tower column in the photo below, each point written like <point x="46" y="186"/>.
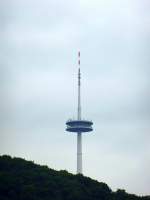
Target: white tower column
<point x="79" y="153"/>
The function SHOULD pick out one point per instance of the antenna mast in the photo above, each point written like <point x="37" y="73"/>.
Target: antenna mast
<point x="79" y="89"/>
<point x="79" y="134"/>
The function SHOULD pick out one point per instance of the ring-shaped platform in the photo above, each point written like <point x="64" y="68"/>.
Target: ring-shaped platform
<point x="79" y="126"/>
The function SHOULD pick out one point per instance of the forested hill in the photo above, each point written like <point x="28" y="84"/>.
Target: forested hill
<point x="24" y="180"/>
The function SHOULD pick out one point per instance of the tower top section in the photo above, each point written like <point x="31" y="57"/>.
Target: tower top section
<point x="79" y="89"/>
<point x="79" y="125"/>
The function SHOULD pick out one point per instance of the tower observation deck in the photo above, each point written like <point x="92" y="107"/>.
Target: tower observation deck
<point x="79" y="125"/>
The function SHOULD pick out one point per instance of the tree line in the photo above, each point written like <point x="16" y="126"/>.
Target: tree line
<point x="25" y="180"/>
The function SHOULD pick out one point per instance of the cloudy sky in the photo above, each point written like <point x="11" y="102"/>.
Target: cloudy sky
<point x="39" y="41"/>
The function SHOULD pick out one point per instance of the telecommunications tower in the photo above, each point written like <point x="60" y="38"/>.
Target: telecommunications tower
<point x="79" y="125"/>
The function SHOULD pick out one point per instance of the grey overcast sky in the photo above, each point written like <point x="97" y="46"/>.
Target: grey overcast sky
<point x="39" y="41"/>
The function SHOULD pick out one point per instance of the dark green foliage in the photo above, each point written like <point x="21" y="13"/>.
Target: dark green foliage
<point x="24" y="180"/>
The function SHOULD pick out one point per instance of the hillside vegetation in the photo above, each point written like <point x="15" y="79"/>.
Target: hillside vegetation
<point x="24" y="180"/>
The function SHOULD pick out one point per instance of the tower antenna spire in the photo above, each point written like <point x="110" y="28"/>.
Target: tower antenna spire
<point x="79" y="88"/>
<point x="79" y="134"/>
